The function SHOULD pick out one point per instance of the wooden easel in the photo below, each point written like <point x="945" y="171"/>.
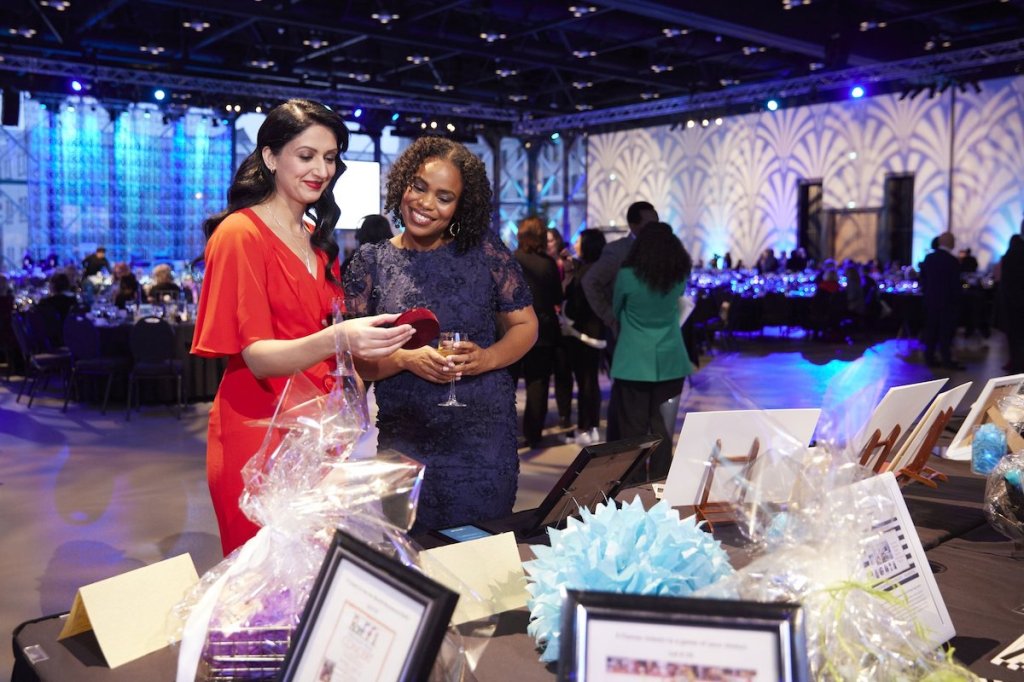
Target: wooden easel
<point x="916" y="470"/>
<point x="722" y="512"/>
<point x="884" y="446"/>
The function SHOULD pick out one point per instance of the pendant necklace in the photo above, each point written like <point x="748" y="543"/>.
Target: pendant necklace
<point x="305" y="242"/>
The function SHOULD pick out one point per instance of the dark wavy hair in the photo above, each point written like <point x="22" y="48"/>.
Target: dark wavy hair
<point x="592" y="243"/>
<point x="254" y="183"/>
<point x="374" y="228"/>
<point x="473" y="212"/>
<point x="532" y="235"/>
<point x="658" y="258"/>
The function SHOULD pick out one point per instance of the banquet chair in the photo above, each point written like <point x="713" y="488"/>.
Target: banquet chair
<point x="154" y="350"/>
<point x="46" y="328"/>
<point x="40" y="364"/>
<point x="87" y="359"/>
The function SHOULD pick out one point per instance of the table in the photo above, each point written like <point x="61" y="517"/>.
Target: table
<point x="980" y="582"/>
<point x="201" y="375"/>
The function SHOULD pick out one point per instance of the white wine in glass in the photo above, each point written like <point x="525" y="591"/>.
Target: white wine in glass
<point x="446" y="345"/>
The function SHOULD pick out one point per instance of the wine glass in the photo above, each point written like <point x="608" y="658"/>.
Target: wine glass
<point x="446" y="345"/>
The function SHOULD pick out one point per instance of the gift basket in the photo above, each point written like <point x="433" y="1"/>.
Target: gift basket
<point x="825" y="533"/>
<point x="1004" y="500"/>
<point x="315" y="472"/>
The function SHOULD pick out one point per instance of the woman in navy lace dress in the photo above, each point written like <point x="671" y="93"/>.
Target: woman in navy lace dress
<point x="447" y="259"/>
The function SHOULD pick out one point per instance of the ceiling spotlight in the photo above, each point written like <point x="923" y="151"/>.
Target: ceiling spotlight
<point x="704" y="123"/>
<point x="856" y="92"/>
<point x="197" y="26"/>
<point x="649" y="95"/>
<point x="753" y="49"/>
<point x="237" y="108"/>
<point x="359" y="77"/>
<point x="259" y="109"/>
<point x="22" y="31"/>
<point x="417" y="59"/>
<point x="582" y="10"/>
<point x="443" y="87"/>
<point x="661" y="68"/>
<point x="433" y="125"/>
<point x="315" y="43"/>
<point x="718" y="121"/>
<point x="159" y="95"/>
<point x="674" y="32"/>
<point x="726" y="82"/>
<point x="815" y="66"/>
<point x="871" y="25"/>
<point x="584" y="107"/>
<point x="583" y="54"/>
<point x="691" y="123"/>
<point x="59" y="5"/>
<point x="505" y="73"/>
<point x="772" y="104"/>
<point x="518" y="98"/>
<point x="358" y="112"/>
<point x="423" y="125"/>
<point x="790" y="4"/>
<point x="493" y="37"/>
<point x="582" y="85"/>
<point x="385" y="18"/>
<point x="153" y="49"/>
<point x="77" y="85"/>
<point x="261" y="63"/>
<point x="450" y="127"/>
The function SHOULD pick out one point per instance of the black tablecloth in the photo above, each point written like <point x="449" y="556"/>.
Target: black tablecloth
<point x="202" y="375"/>
<point x="980" y="583"/>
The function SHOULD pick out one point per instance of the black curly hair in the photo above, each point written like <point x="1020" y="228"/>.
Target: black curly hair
<point x="473" y="213"/>
<point x="254" y="183"/>
<point x="658" y="258"/>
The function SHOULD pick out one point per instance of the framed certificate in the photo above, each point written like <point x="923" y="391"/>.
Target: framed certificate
<point x="368" y="618"/>
<point x="627" y="637"/>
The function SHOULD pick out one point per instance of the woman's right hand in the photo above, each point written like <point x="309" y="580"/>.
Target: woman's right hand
<point x="426" y="363"/>
<point x="369" y="340"/>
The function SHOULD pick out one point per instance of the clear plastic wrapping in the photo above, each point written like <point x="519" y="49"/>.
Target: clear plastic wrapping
<point x="816" y="535"/>
<point x="314" y="473"/>
<point x="1004" y="498"/>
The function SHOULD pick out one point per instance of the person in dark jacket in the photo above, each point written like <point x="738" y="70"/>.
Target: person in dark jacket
<point x="1011" y="302"/>
<point x="542" y="277"/>
<point x="940" y="284"/>
<point x="583" y="341"/>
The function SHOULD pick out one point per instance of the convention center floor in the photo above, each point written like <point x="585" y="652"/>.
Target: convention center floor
<point x="86" y="496"/>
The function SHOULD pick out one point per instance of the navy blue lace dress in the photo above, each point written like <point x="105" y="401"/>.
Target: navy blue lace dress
<point x="472" y="469"/>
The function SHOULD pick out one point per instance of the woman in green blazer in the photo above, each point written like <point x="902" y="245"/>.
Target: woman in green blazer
<point x="650" y="361"/>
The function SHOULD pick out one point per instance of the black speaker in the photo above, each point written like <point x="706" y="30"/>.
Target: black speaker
<point x="10" y="108"/>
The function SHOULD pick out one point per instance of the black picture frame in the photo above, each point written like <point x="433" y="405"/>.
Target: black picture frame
<point x="758" y="641"/>
<point x="358" y="582"/>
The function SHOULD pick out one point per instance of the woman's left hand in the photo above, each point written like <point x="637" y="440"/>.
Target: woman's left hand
<point x="470" y="360"/>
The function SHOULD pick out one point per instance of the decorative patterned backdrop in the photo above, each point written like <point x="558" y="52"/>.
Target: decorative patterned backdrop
<point x="136" y="182"/>
<point x="734" y="187"/>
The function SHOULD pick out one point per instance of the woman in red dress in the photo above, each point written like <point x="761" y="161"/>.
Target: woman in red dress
<point x="266" y="301"/>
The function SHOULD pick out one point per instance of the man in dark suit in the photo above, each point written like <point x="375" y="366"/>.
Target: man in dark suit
<point x="599" y="282"/>
<point x="940" y="283"/>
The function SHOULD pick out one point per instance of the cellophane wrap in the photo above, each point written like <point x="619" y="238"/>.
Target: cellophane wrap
<point x="313" y="474"/>
<point x="1004" y="497"/>
<point x="810" y="526"/>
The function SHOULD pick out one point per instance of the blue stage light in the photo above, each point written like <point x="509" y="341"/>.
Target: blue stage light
<point x="555" y="136"/>
<point x="394" y="117"/>
<point x="159" y="95"/>
<point x="856" y="92"/>
<point x="358" y="112"/>
<point x="76" y="86"/>
<point x="772" y="105"/>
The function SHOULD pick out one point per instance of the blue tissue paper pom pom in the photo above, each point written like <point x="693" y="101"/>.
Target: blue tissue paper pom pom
<point x="987" y="449"/>
<point x="623" y="549"/>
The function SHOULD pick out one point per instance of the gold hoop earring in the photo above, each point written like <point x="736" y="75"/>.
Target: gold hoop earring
<point x="453" y="228"/>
